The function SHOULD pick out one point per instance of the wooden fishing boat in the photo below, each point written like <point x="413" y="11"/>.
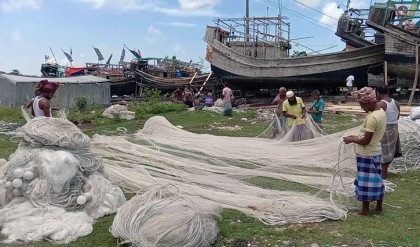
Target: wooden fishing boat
<point x="169" y="74"/>
<point x="259" y="57"/>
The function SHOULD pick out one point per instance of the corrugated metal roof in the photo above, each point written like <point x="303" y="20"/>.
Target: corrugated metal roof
<point x="72" y="79"/>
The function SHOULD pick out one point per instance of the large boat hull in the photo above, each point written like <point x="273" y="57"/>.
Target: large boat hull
<point x="262" y="69"/>
<point x="332" y="79"/>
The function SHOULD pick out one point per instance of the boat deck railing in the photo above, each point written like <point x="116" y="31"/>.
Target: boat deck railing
<point x="255" y="29"/>
<point x="400" y="13"/>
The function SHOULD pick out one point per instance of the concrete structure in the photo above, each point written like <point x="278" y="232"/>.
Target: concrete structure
<point x="18" y="90"/>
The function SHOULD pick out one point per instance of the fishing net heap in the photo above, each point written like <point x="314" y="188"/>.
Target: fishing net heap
<point x="276" y="180"/>
<point x="119" y="111"/>
<point x="159" y="216"/>
<point x="53" y="187"/>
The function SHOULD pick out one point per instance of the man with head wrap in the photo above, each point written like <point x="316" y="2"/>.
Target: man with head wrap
<point x="41" y="105"/>
<point x="279" y="122"/>
<point x="369" y="184"/>
<point x="294" y="110"/>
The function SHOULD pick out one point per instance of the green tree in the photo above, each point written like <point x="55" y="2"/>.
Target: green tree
<point x="15" y="72"/>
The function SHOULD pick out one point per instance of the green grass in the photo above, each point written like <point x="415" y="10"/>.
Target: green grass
<point x="399" y="226"/>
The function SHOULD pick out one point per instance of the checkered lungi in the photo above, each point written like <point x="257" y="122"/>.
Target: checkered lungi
<point x="369" y="184"/>
<point x="391" y="147"/>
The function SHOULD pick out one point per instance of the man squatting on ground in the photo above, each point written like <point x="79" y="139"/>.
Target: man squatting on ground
<point x="369" y="183"/>
<point x="391" y="146"/>
<point x="280" y="121"/>
<point x="41" y="105"/>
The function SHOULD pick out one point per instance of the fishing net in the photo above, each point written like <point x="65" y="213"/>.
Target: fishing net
<point x="119" y="111"/>
<point x="159" y="216"/>
<point x="182" y="179"/>
<point x="276" y="180"/>
<point x="53" y="186"/>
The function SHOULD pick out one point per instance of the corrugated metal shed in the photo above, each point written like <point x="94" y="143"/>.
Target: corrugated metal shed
<point x="18" y="90"/>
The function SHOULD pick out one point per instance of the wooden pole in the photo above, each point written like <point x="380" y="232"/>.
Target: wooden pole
<point x="386" y="72"/>
<point x="202" y="87"/>
<point x="192" y="79"/>
<point x="415" y="77"/>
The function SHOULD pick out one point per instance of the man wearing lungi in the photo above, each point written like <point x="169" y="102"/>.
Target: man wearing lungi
<point x="294" y="110"/>
<point x="279" y="121"/>
<point x="227" y="100"/>
<point x="391" y="147"/>
<point x="369" y="184"/>
<point x="317" y="108"/>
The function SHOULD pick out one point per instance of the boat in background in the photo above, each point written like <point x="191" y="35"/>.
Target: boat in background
<point x="169" y="74"/>
<point x="254" y="53"/>
<point x="51" y="70"/>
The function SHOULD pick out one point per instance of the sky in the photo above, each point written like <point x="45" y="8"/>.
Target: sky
<point x="158" y="28"/>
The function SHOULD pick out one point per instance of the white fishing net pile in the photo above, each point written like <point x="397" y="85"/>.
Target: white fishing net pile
<point x="119" y="111"/>
<point x="53" y="186"/>
<point x="182" y="180"/>
<point x="159" y="216"/>
<point x="274" y="179"/>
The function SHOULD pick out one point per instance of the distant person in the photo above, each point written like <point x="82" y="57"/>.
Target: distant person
<point x="390" y="143"/>
<point x="369" y="183"/>
<point x="178" y="94"/>
<point x="197" y="101"/>
<point x="294" y="110"/>
<point x="41" y="105"/>
<point x="280" y="120"/>
<point x="208" y="100"/>
<point x="409" y="24"/>
<point x="188" y="96"/>
<point x="227" y="100"/>
<point x="317" y="108"/>
<point x="350" y="83"/>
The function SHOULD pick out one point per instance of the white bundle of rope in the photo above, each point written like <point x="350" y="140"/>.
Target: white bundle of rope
<point x="53" y="176"/>
<point x="38" y="134"/>
<point x="119" y="111"/>
<point x="160" y="217"/>
<point x="410" y="145"/>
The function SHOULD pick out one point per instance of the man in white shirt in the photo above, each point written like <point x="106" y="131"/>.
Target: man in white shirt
<point x="349" y="83"/>
<point x="41" y="105"/>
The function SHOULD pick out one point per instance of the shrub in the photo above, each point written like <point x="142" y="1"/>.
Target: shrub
<point x="152" y="96"/>
<point x="158" y="108"/>
<point x="81" y="103"/>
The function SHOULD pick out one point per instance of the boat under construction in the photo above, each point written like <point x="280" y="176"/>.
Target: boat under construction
<point x="254" y="52"/>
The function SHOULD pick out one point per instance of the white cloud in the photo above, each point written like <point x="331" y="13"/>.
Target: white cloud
<point x="153" y="34"/>
<point x="359" y="4"/>
<point x="178" y="24"/>
<point x="123" y="5"/>
<point x="16" y="5"/>
<point x="331" y="14"/>
<point x="310" y="3"/>
<point x="17" y="35"/>
<point x="82" y="55"/>
<point x="179" y="50"/>
<point x="191" y="8"/>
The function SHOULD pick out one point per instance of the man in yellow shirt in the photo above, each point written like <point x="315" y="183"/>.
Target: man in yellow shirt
<point x="369" y="184"/>
<point x="294" y="110"/>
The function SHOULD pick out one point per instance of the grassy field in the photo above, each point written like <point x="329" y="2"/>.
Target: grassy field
<point x="399" y="226"/>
